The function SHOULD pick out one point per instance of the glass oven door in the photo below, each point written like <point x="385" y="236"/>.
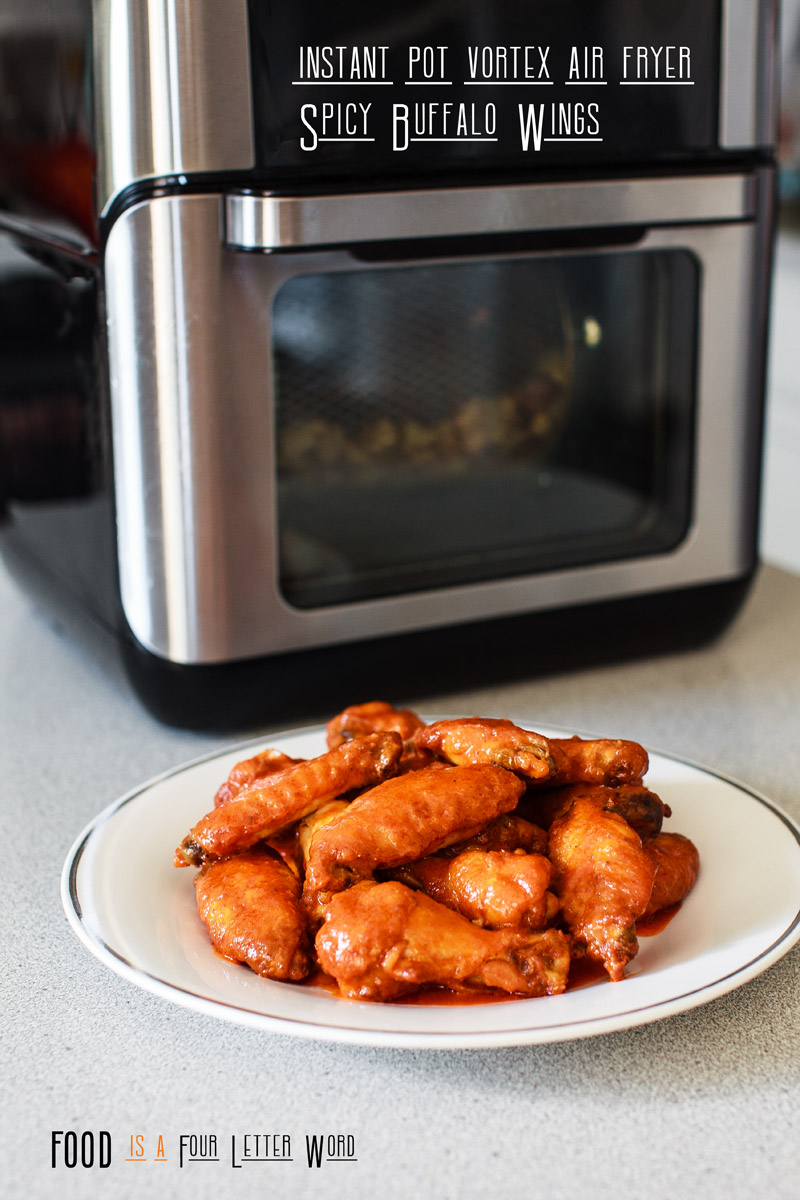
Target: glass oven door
<point x="452" y="421"/>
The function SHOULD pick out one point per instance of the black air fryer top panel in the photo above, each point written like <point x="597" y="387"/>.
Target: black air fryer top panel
<point x="313" y="53"/>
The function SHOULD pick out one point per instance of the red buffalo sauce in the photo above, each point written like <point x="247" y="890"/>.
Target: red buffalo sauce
<point x="650" y="926"/>
<point x="582" y="972"/>
<point x="445" y="998"/>
<point x="585" y="971"/>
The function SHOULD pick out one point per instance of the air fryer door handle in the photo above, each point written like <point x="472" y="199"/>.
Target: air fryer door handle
<point x="270" y="223"/>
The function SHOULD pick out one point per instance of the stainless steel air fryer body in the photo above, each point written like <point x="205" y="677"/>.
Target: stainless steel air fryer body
<point x="343" y="392"/>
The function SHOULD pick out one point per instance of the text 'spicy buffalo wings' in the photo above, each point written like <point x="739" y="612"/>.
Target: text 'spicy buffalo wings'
<point x="466" y="854"/>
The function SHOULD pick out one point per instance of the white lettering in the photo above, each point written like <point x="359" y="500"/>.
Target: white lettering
<point x="530" y="124"/>
<point x="657" y="64"/>
<point x="329" y="121"/>
<point x="592" y="67"/>
<point x="399" y="126"/>
<point x="342" y="62"/>
<point x="426" y="62"/>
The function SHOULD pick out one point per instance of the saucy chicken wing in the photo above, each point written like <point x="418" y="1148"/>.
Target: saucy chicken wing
<point x="375" y="717"/>
<point x="482" y="740"/>
<point x="640" y="807"/>
<point x="314" y="821"/>
<point x="251" y="906"/>
<point x="269" y="806"/>
<point x="507" y="832"/>
<point x="492" y="888"/>
<point x="677" y="866"/>
<point x="603" y="878"/>
<point x="381" y="940"/>
<point x="402" y="820"/>
<point x="554" y="761"/>
<point x="578" y="760"/>
<point x="380" y="717"/>
<point x="268" y="762"/>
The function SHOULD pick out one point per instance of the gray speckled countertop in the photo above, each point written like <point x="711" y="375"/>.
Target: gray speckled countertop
<point x="705" y="1104"/>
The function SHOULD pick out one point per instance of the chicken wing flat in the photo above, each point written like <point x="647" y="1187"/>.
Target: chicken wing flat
<point x="402" y="820"/>
<point x="508" y="832"/>
<point x="492" y="888"/>
<point x="269" y="806"/>
<point x="640" y="807"/>
<point x="472" y="741"/>
<point x="677" y="866"/>
<point x="251" y="906"/>
<point x="260" y="766"/>
<point x="603" y="878"/>
<point x="578" y="760"/>
<point x="381" y="940"/>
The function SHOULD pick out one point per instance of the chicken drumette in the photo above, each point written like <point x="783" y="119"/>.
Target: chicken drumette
<point x="508" y="832"/>
<point x="640" y="807"/>
<point x="375" y="717"/>
<point x="493" y="889"/>
<point x="381" y="940"/>
<point x="474" y="741"/>
<point x="677" y="866"/>
<point x="604" y="761"/>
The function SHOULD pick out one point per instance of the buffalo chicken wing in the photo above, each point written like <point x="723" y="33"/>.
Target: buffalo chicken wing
<point x="677" y="865"/>
<point x="402" y="820"/>
<point x="268" y="762"/>
<point x="267" y="807"/>
<point x="641" y="808"/>
<point x="379" y="717"/>
<point x="380" y="940"/>
<point x="492" y="888"/>
<point x="469" y="854"/>
<point x="603" y="879"/>
<point x="251" y="907"/>
<point x="474" y="741"/>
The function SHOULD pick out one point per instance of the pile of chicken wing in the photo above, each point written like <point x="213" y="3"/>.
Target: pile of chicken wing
<point x="467" y="854"/>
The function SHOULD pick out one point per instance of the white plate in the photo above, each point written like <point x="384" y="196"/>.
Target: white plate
<point x="137" y="914"/>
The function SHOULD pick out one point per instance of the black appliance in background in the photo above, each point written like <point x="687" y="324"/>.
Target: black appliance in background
<point x="349" y="351"/>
